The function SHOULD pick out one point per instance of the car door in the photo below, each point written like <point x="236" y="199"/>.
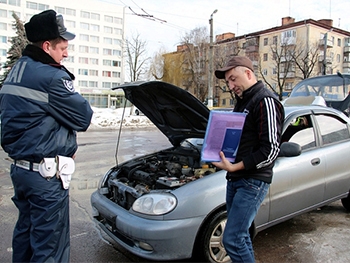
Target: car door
<point x="298" y="182"/>
<point x="335" y="140"/>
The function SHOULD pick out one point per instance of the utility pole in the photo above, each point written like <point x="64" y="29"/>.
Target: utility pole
<point x="210" y="78"/>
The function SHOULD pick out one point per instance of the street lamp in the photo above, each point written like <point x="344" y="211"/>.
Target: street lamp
<point x="210" y="84"/>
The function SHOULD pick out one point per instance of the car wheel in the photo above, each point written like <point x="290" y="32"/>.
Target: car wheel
<point x="137" y="112"/>
<point x="209" y="245"/>
<point x="346" y="202"/>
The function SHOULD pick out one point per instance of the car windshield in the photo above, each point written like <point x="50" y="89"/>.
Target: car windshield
<point x="330" y="87"/>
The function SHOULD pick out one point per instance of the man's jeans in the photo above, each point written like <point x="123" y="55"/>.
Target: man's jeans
<point x="243" y="199"/>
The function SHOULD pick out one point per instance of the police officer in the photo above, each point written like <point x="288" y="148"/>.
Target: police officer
<point x="40" y="114"/>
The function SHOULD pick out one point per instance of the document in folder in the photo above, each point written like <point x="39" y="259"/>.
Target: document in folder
<point x="223" y="133"/>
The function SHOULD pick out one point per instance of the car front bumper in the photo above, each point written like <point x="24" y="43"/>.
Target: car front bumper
<point x="147" y="238"/>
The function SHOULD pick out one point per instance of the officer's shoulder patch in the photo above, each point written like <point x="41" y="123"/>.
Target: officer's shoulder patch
<point x="68" y="84"/>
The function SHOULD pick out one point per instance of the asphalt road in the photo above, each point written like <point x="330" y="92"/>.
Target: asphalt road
<point x="322" y="235"/>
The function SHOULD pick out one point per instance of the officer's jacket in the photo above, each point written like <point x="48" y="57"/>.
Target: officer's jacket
<point x="40" y="110"/>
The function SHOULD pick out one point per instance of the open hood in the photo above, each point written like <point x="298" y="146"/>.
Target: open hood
<point x="176" y="112"/>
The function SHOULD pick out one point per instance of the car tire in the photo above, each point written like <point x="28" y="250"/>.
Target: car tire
<point x="137" y="112"/>
<point x="209" y="246"/>
<point x="346" y="202"/>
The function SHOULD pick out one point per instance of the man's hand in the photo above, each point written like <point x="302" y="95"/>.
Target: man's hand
<point x="225" y="164"/>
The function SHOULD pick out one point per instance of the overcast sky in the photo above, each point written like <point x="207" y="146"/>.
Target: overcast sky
<point x="173" y="18"/>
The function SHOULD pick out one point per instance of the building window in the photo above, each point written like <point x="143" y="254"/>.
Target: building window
<point x="106" y="85"/>
<point x="108" y="40"/>
<point x="83" y="83"/>
<point x="117" y="52"/>
<point x="60" y="10"/>
<point x="109" y="19"/>
<point x="115" y="74"/>
<point x="69" y="59"/>
<point x="116" y="63"/>
<point x="274" y="40"/>
<point x="108" y="30"/>
<point x="83" y="49"/>
<point x="94" y="50"/>
<point x="93" y="84"/>
<point x="85" y="26"/>
<point x="84" y="14"/>
<point x="84" y="60"/>
<point x="3" y="52"/>
<point x="94" y="61"/>
<point x="265" y="57"/>
<point x="3" y="26"/>
<point x="94" y="39"/>
<point x="338" y="58"/>
<point x="14" y="2"/>
<point x="223" y="102"/>
<point x="84" y="37"/>
<point x="339" y="42"/>
<point x="95" y="16"/>
<point x="69" y="23"/>
<point x="94" y="27"/>
<point x="118" y="20"/>
<point x="93" y="72"/>
<point x="71" y="47"/>
<point x="3" y="13"/>
<point x="36" y="6"/>
<point x="106" y="73"/>
<point x="82" y="71"/>
<point x="70" y="12"/>
<point x="107" y="51"/>
<point x="264" y="72"/>
<point x="266" y="41"/>
<point x="3" y="39"/>
<point x="106" y="62"/>
<point x="117" y="31"/>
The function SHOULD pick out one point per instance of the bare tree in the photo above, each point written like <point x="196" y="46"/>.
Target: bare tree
<point x="306" y="59"/>
<point x="19" y="42"/>
<point x="136" y="58"/>
<point x="282" y="66"/>
<point x="156" y="69"/>
<point x="195" y="61"/>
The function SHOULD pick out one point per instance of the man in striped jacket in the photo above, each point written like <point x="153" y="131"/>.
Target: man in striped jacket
<point x="249" y="177"/>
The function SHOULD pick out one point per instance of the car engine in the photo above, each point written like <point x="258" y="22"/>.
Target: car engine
<point x="161" y="171"/>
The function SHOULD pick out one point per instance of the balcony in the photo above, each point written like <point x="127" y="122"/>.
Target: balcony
<point x="346" y="65"/>
<point x="328" y="59"/>
<point x="321" y="43"/>
<point x="287" y="75"/>
<point x="346" y="49"/>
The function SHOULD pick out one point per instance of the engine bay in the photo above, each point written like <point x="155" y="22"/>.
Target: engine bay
<point x="161" y="171"/>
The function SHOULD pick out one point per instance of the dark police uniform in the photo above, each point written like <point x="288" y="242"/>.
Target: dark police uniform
<point x="40" y="114"/>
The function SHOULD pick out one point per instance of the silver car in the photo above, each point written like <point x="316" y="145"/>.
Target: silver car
<point x="169" y="205"/>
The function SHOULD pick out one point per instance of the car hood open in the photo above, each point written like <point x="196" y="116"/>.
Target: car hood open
<point x="176" y="112"/>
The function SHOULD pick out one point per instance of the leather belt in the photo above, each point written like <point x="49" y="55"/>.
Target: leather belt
<point x="27" y="165"/>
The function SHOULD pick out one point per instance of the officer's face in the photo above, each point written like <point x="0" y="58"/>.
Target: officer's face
<point x="59" y="51"/>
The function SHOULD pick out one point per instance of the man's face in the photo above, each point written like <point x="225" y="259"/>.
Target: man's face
<point x="237" y="80"/>
<point x="59" y="51"/>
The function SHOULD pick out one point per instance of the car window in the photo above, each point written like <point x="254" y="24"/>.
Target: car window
<point x="300" y="130"/>
<point x="332" y="129"/>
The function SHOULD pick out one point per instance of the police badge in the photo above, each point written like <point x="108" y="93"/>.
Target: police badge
<point x="69" y="85"/>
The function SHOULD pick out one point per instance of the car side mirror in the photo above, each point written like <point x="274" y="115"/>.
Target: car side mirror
<point x="289" y="149"/>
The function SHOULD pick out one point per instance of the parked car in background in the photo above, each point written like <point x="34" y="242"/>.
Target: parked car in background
<point x="169" y="205"/>
<point x="334" y="89"/>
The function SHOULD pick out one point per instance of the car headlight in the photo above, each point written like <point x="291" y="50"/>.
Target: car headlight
<point x="155" y="204"/>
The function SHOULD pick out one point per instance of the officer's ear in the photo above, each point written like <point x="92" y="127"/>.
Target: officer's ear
<point x="46" y="46"/>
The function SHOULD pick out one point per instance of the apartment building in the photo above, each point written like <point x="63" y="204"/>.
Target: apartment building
<point x="96" y="53"/>
<point x="282" y="55"/>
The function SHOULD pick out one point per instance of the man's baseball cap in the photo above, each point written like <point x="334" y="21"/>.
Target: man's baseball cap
<point x="232" y="63"/>
<point x="47" y="26"/>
